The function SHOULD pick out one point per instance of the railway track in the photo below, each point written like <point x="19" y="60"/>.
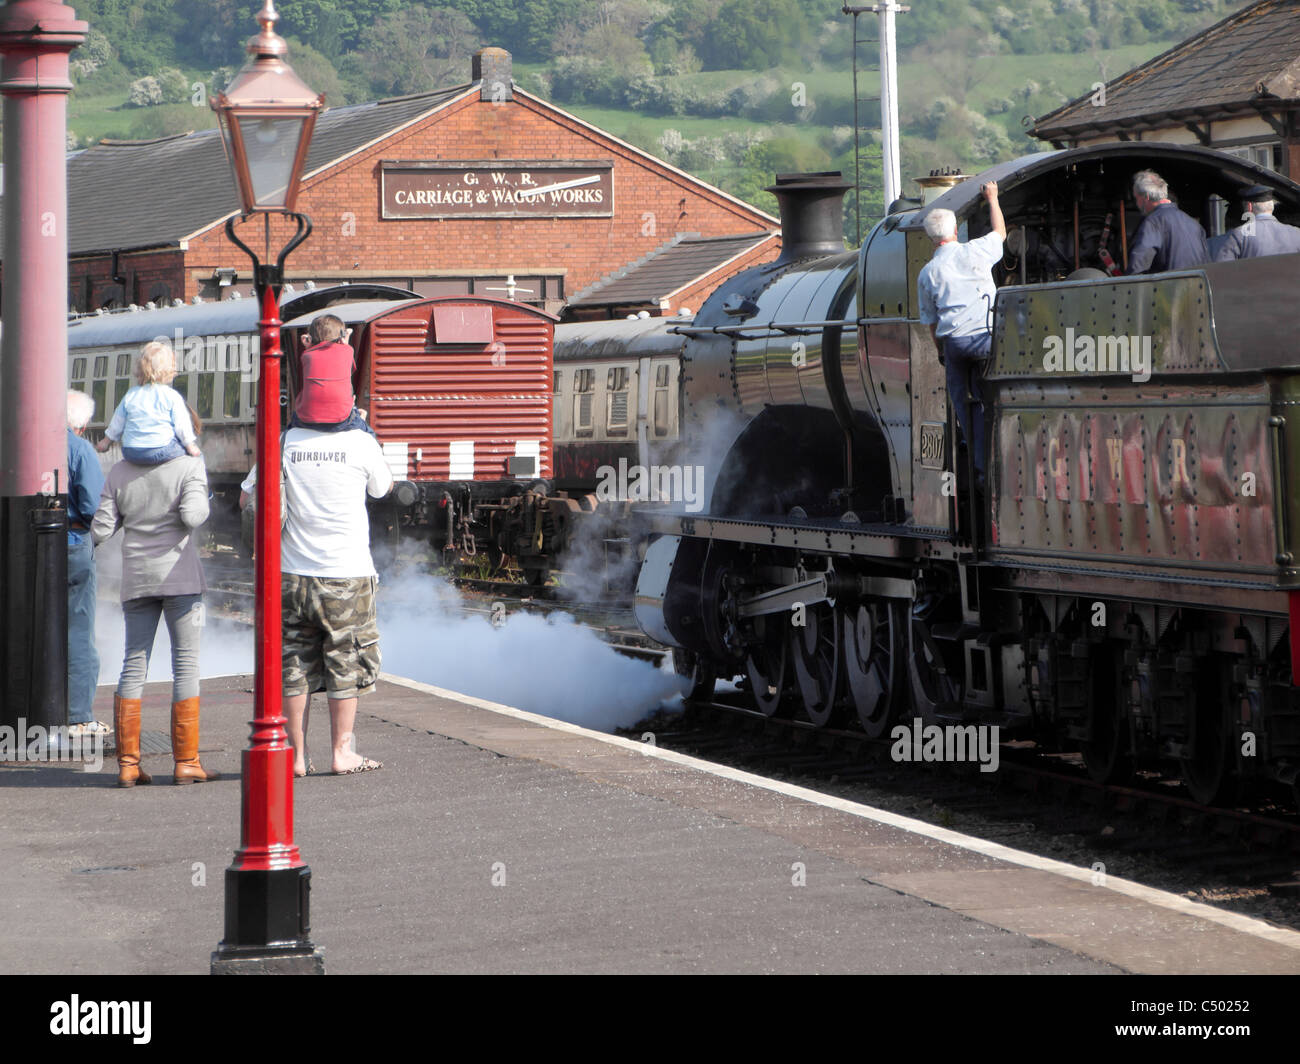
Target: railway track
<point x="1244" y="859"/>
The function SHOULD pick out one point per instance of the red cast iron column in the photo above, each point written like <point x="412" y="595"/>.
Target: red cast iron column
<point x="35" y="39"/>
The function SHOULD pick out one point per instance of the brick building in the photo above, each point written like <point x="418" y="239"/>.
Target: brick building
<point x="1235" y="87"/>
<point x="482" y="188"/>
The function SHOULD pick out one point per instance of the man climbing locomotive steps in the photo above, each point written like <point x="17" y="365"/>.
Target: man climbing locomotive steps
<point x="956" y="292"/>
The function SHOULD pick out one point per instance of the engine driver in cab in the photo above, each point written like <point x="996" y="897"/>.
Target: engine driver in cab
<point x="1167" y="239"/>
<point x="956" y="291"/>
<point x="1262" y="234"/>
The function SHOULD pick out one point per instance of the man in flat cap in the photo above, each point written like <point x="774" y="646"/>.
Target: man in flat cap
<point x="1262" y="234"/>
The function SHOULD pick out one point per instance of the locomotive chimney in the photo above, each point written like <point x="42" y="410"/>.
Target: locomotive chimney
<point x="812" y="214"/>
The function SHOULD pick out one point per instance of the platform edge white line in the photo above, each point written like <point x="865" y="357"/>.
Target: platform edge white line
<point x="1235" y="921"/>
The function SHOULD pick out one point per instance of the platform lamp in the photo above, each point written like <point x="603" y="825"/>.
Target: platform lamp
<point x="267" y="116"/>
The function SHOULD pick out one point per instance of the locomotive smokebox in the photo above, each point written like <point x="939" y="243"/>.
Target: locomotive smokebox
<point x="812" y="214"/>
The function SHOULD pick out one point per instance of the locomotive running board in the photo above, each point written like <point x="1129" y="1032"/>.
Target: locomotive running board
<point x="862" y="540"/>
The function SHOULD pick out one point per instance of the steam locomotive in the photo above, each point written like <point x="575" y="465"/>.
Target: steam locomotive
<point x="1127" y="585"/>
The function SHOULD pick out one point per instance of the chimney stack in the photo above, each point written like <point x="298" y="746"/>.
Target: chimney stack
<point x="492" y="68"/>
<point x="812" y="214"/>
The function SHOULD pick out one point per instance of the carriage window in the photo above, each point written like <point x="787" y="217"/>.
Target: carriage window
<point x="97" y="390"/>
<point x="616" y="419"/>
<point x="182" y="384"/>
<point x="555" y="384"/>
<point x="230" y="394"/>
<point x="661" y="412"/>
<point x="584" y="380"/>
<point x="661" y="376"/>
<point x="78" y="369"/>
<point x="124" y="365"/>
<point x="582" y="414"/>
<point x="120" y="389"/>
<point x="101" y="366"/>
<point x="207" y="382"/>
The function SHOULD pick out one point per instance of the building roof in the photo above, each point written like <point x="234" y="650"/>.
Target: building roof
<point x="681" y="263"/>
<point x="156" y="193"/>
<point x="1250" y="61"/>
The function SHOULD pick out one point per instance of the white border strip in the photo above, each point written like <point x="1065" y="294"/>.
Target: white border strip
<point x="1235" y="921"/>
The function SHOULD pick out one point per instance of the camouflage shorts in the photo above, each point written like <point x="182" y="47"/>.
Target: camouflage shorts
<point x="331" y="640"/>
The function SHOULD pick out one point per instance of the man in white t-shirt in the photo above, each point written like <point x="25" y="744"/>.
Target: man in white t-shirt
<point x="328" y="582"/>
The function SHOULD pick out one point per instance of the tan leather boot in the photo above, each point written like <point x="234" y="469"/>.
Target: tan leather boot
<point x="185" y="744"/>
<point x="126" y="724"/>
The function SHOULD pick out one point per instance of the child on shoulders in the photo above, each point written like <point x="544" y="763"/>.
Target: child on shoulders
<point x="152" y="420"/>
<point x="326" y="401"/>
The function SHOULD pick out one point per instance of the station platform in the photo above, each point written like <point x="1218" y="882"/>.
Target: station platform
<point x="497" y="841"/>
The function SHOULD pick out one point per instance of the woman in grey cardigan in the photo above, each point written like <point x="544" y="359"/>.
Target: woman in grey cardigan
<point x="158" y="507"/>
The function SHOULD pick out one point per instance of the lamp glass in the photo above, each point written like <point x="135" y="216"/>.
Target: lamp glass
<point x="270" y="147"/>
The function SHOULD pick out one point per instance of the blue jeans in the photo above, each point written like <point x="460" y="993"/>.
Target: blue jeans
<point x="184" y="616"/>
<point x="154" y="455"/>
<point x="964" y="358"/>
<point x="83" y="658"/>
<point x="353" y="421"/>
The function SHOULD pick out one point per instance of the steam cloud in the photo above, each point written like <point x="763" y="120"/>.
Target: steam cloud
<point x="548" y="665"/>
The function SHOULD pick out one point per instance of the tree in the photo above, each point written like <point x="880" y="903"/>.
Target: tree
<point x="418" y="50"/>
<point x="756" y="34"/>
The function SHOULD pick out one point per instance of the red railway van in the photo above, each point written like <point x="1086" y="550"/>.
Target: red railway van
<point x="459" y="389"/>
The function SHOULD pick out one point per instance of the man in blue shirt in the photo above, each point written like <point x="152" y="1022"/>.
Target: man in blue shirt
<point x="956" y="292"/>
<point x="1167" y="239"/>
<point x="1262" y="234"/>
<point x="85" y="482"/>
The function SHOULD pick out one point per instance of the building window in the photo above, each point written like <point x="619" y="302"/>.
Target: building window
<point x="1268" y="154"/>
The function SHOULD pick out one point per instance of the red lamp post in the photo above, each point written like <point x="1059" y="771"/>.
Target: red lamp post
<point x="267" y="116"/>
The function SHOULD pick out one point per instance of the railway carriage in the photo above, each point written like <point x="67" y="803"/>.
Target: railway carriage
<point x="1126" y="585"/>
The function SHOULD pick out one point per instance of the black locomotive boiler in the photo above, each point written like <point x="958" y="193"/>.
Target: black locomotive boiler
<point x="1125" y="586"/>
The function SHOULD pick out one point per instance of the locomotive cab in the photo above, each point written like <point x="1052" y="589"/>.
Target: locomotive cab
<point x="1070" y="218"/>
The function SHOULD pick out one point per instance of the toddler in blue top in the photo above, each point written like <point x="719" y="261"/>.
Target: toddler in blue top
<point x="152" y="420"/>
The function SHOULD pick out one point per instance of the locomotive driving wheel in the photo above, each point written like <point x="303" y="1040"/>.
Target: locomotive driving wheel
<point x="815" y="647"/>
<point x="765" y="667"/>
<point x="873" y="662"/>
<point x="938" y="683"/>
